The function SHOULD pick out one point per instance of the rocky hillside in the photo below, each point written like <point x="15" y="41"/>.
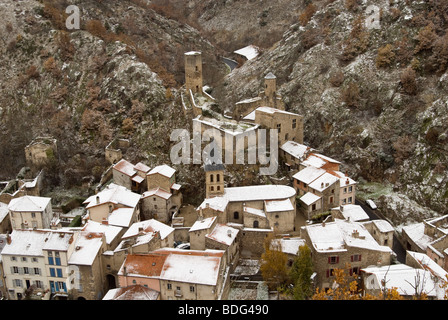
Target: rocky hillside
<point x="375" y="98"/>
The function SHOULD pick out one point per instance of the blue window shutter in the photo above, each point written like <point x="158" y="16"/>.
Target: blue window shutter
<point x="59" y="272"/>
<point x="63" y="285"/>
<point x="52" y="273"/>
<point x="52" y="286"/>
<point x="58" y="261"/>
<point x="50" y="261"/>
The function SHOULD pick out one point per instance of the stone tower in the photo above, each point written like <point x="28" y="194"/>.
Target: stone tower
<point x="193" y="71"/>
<point x="214" y="180"/>
<point x="270" y="88"/>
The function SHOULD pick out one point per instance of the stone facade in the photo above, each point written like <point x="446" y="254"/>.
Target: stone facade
<point x="40" y="151"/>
<point x="193" y="72"/>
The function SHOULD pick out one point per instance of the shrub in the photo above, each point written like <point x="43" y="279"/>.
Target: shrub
<point x="337" y="78"/>
<point x="408" y="81"/>
<point x="404" y="146"/>
<point x="385" y="56"/>
<point x="307" y="14"/>
<point x="351" y="95"/>
<point x="426" y="38"/>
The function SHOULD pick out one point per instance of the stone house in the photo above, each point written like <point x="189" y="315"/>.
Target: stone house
<point x="350" y="212"/>
<point x="88" y="278"/>
<point x="429" y="237"/>
<point x="178" y="274"/>
<point x="289" y="246"/>
<point x="157" y="204"/>
<point x="199" y="230"/>
<point x="293" y="154"/>
<point x="116" y="204"/>
<point x="40" y="152"/>
<point x="132" y="177"/>
<point x="226" y="238"/>
<point x="382" y="231"/>
<point x="341" y="244"/>
<point x="31" y="212"/>
<point x="132" y="292"/>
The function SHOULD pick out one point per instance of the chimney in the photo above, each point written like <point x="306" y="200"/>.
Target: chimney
<point x="97" y="199"/>
<point x="8" y="238"/>
<point x="105" y="221"/>
<point x="347" y="181"/>
<point x="229" y="233"/>
<point x="355" y="234"/>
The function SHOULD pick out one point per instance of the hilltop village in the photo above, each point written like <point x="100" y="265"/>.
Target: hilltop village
<point x="137" y="238"/>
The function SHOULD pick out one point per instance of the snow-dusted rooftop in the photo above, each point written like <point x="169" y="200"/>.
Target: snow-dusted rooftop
<point x="417" y="233"/>
<point x="216" y="203"/>
<point x="323" y="182"/>
<point x="309" y="198"/>
<point x="401" y="277"/>
<point x="26" y="242"/>
<point x="256" y="193"/>
<point x="110" y="232"/>
<point x="157" y="192"/>
<point x="278" y="205"/>
<point x="337" y="236"/>
<point x="257" y="212"/>
<point x="121" y="217"/>
<point x="3" y="211"/>
<point x="203" y="224"/>
<point x="87" y="248"/>
<point x="250" y="52"/>
<point x="29" y="204"/>
<point x="295" y="149"/>
<point x="115" y="194"/>
<point x="223" y="234"/>
<point x="288" y="245"/>
<point x="134" y="292"/>
<point x="149" y="226"/>
<point x="164" y="170"/>
<point x="353" y="212"/>
<point x="308" y="174"/>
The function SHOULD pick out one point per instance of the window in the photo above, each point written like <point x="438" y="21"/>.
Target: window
<point x="256" y="224"/>
<point x="218" y="188"/>
<point x="212" y="189"/>
<point x="169" y="286"/>
<point x="33" y="215"/>
<point x="15" y="269"/>
<point x="191" y="288"/>
<point x="313" y="207"/>
<point x="333" y="259"/>
<point x="34" y="259"/>
<point x="331" y="199"/>
<point x="52" y="272"/>
<point x="294" y="123"/>
<point x="39" y="284"/>
<point x="50" y="259"/>
<point x="345" y="190"/>
<point x="23" y="259"/>
<point x="36" y="270"/>
<point x="218" y="178"/>
<point x="350" y="200"/>
<point x="211" y="178"/>
<point x="57" y="258"/>
<point x="17" y="283"/>
<point x="59" y="273"/>
<point x="330" y="273"/>
<point x="154" y="199"/>
<point x="13" y="259"/>
<point x="236" y="215"/>
<point x="350" y="189"/>
<point x="26" y="270"/>
<point x="279" y="127"/>
<point x="355" y="257"/>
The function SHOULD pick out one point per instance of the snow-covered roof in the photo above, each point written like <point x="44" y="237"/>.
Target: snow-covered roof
<point x="289" y="245"/>
<point x="29" y="204"/>
<point x="250" y="52"/>
<point x="428" y="264"/>
<point x="340" y="234"/>
<point x="295" y="149"/>
<point x="344" y="179"/>
<point x="270" y="75"/>
<point x="401" y="277"/>
<point x="26" y="242"/>
<point x="134" y="292"/>
<point x="323" y="182"/>
<point x="261" y="192"/>
<point x="216" y="203"/>
<point x="257" y="212"/>
<point x="192" y="266"/>
<point x="156" y="192"/>
<point x="121" y="217"/>
<point x="192" y="53"/>
<point x="125" y="167"/>
<point x="416" y="232"/>
<point x="383" y="225"/>
<point x="87" y="247"/>
<point x="110" y="232"/>
<point x="164" y="170"/>
<point x="309" y="198"/>
<point x="142" y="167"/>
<point x="308" y="174"/>
<point x="202" y="268"/>
<point x="274" y="110"/>
<point x="115" y="194"/>
<point x="278" y="205"/>
<point x="353" y="212"/>
<point x="223" y="234"/>
<point x="314" y="161"/>
<point x="58" y="241"/>
<point x="203" y="224"/>
<point x="148" y="226"/>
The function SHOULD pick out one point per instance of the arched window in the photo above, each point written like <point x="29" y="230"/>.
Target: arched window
<point x="236" y="215"/>
<point x="211" y="178"/>
<point x="218" y="177"/>
<point x="256" y="224"/>
<point x="212" y="189"/>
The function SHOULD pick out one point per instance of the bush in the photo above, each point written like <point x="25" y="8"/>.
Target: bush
<point x="337" y="78"/>
<point x="385" y="56"/>
<point x="426" y="38"/>
<point x="350" y="95"/>
<point x="307" y="14"/>
<point x="408" y="81"/>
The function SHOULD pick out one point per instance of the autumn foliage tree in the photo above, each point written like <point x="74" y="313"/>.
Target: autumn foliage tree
<point x="273" y="265"/>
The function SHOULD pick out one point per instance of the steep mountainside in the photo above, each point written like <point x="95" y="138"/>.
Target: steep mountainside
<point x="375" y="98"/>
